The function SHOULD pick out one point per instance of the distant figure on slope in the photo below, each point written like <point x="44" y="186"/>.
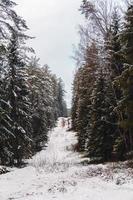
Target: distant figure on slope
<point x="68" y="123"/>
<point x="63" y="123"/>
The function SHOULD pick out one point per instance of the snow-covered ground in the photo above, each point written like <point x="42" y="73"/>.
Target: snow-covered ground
<point x="57" y="173"/>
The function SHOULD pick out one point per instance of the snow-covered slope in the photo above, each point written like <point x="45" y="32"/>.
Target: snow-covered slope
<point x="56" y="173"/>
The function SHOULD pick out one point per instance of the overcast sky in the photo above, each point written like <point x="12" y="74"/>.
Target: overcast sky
<point x="54" y="23"/>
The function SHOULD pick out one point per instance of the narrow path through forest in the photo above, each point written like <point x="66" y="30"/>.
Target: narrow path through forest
<point x="57" y="173"/>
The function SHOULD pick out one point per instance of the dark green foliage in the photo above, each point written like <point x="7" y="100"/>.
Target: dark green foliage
<point x="116" y="63"/>
<point x="102" y="123"/>
<point x="43" y="98"/>
<point x="125" y="80"/>
<point x="102" y="114"/>
<point x="62" y="108"/>
<point x="18" y="91"/>
<point x="81" y="100"/>
<point x="117" y="58"/>
<point x="75" y="99"/>
<point x="13" y="103"/>
<point x="31" y="97"/>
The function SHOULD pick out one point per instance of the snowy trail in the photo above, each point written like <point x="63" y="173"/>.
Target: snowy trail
<point x="55" y="173"/>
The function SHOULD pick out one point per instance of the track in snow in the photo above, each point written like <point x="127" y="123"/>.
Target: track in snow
<point x="55" y="173"/>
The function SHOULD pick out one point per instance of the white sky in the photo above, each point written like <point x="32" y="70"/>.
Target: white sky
<point x="54" y="23"/>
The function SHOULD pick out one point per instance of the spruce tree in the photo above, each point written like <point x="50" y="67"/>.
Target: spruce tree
<point x="75" y="100"/>
<point x="115" y="46"/>
<point x="44" y="101"/>
<point x="5" y="121"/>
<point x="81" y="105"/>
<point x="9" y="23"/>
<point x="102" y="121"/>
<point x="10" y="20"/>
<point x="18" y="92"/>
<point x="62" y="108"/>
<point x="116" y="64"/>
<point x="125" y="80"/>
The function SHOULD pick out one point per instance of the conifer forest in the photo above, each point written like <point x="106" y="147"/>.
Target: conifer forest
<point x="51" y="148"/>
<point x="102" y="106"/>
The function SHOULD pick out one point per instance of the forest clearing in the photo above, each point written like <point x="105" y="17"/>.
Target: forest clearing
<point x="58" y="173"/>
<point x="66" y="100"/>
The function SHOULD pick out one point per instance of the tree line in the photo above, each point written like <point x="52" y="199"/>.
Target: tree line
<point x="31" y="97"/>
<point x="102" y="104"/>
